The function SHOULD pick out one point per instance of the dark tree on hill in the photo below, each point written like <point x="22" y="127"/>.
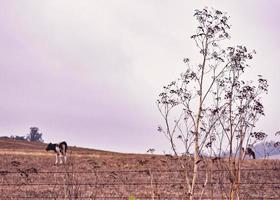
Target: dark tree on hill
<point x="34" y="135"/>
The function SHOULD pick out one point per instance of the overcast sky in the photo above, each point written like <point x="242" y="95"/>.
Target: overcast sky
<point x="89" y="72"/>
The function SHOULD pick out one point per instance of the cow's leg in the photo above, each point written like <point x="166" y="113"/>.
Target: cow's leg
<point x="60" y="158"/>
<point x="56" y="159"/>
<point x="65" y="158"/>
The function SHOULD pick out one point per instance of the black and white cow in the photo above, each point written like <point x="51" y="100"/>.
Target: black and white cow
<point x="60" y="151"/>
<point x="248" y="151"/>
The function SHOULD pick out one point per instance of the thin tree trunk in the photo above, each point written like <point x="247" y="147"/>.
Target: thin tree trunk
<point x="198" y="119"/>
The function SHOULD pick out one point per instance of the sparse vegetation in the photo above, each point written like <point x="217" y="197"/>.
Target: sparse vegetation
<point x="27" y="170"/>
<point x="211" y="109"/>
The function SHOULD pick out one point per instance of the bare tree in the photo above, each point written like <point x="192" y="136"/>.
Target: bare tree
<point x="210" y="109"/>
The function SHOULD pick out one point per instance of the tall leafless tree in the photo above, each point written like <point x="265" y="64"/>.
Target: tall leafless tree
<point x="210" y="108"/>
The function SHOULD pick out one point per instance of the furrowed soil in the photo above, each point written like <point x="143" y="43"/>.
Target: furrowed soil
<point x="27" y="171"/>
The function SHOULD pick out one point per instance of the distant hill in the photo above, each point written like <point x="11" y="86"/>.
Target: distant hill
<point x="264" y="150"/>
<point x="267" y="149"/>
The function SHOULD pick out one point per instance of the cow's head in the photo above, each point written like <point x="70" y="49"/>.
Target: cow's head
<point x="50" y="147"/>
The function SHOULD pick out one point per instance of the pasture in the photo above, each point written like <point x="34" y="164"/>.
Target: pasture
<point x="27" y="171"/>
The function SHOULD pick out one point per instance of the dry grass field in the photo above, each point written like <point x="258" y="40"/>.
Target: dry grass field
<point x="27" y="171"/>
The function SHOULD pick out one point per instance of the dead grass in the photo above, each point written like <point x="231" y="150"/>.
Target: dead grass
<point x="30" y="172"/>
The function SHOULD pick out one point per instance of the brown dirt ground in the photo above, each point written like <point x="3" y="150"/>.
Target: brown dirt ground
<point x="27" y="171"/>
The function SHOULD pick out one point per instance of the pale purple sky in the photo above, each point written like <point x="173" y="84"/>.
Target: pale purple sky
<point x="89" y="72"/>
